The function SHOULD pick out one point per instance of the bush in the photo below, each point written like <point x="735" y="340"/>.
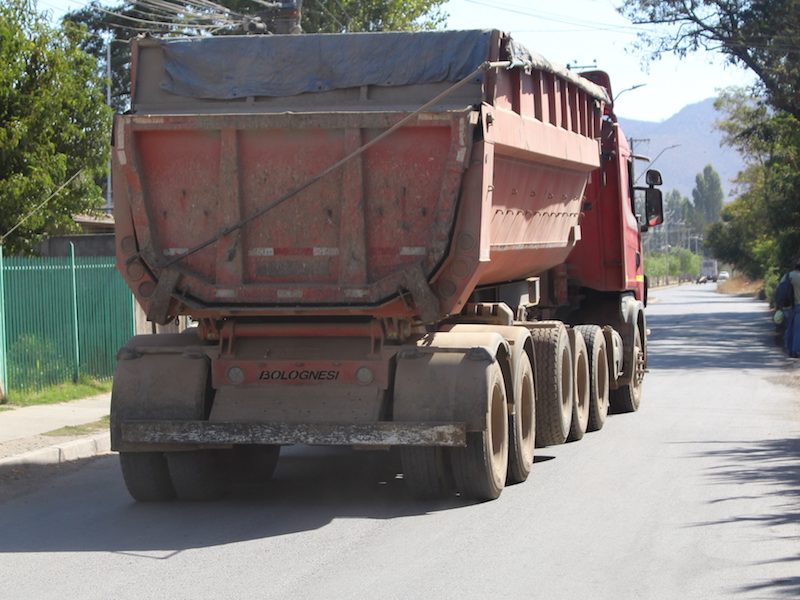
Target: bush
<point x="35" y="362"/>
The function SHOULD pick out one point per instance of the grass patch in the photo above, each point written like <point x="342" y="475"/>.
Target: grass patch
<point x="739" y="285"/>
<point x="5" y="407"/>
<point x="63" y="392"/>
<point x="85" y="429"/>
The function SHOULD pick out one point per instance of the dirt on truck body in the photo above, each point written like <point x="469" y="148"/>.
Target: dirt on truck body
<point x="424" y="240"/>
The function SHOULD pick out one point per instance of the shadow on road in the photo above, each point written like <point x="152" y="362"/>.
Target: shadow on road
<point x="313" y="486"/>
<point x="772" y="463"/>
<point x="714" y="340"/>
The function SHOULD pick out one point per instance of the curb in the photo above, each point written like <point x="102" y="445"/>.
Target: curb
<point x="75" y="450"/>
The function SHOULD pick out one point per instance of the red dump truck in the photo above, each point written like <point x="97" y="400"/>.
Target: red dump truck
<point x="423" y="241"/>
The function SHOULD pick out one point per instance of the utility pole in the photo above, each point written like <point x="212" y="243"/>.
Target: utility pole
<point x="634" y="141"/>
<point x="108" y="102"/>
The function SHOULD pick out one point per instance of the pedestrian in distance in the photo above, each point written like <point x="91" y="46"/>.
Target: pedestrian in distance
<point x="787" y="297"/>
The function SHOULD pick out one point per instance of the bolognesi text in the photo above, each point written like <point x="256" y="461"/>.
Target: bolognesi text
<point x="299" y="375"/>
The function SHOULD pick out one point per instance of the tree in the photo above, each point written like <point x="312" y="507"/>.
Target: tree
<point x="761" y="35"/>
<point x="320" y="16"/>
<point x="770" y="143"/>
<point x="117" y="24"/>
<point x="707" y="196"/>
<point x="760" y="230"/>
<point x="679" y="209"/>
<point x="741" y="238"/>
<point x="55" y="127"/>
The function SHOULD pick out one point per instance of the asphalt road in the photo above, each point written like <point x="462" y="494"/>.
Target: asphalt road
<point x="695" y="496"/>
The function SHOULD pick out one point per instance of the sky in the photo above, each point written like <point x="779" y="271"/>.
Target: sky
<point x="584" y="32"/>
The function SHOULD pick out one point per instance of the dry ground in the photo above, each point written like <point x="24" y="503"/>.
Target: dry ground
<point x="739" y="285"/>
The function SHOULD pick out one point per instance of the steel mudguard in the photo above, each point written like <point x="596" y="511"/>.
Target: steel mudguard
<point x="159" y="377"/>
<point x="444" y="378"/>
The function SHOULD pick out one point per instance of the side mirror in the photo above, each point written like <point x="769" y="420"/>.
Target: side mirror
<point x="653" y="205"/>
<point x="653" y="177"/>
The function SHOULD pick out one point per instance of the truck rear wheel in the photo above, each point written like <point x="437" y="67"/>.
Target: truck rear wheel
<point x="253" y="464"/>
<point x="598" y="375"/>
<point x="426" y="472"/>
<point x="554" y="379"/>
<point x="627" y="398"/>
<point x="522" y="424"/>
<point x="480" y="469"/>
<point x="198" y="475"/>
<point x="146" y="476"/>
<point x="580" y="402"/>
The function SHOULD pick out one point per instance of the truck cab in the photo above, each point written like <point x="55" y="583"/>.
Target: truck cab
<point x="608" y="257"/>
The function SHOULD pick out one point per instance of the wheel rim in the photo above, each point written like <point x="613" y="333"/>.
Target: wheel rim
<point x="498" y="430"/>
<point x="638" y="368"/>
<point x="566" y="385"/>
<point x="602" y="378"/>
<point x="526" y="410"/>
<point x="582" y="388"/>
<point x="638" y="375"/>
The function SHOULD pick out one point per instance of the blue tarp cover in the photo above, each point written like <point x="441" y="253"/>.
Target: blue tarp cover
<point x="227" y="67"/>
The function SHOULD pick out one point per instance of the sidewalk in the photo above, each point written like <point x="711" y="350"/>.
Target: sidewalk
<point x="21" y="432"/>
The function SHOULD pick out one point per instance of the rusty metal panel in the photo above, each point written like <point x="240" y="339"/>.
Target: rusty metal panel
<point x="202" y="174"/>
<point x="383" y="235"/>
<point x="138" y="433"/>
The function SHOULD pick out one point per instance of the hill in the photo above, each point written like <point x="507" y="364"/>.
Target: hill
<point x="699" y="144"/>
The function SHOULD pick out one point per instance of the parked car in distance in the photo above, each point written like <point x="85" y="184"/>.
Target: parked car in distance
<point x="723" y="275"/>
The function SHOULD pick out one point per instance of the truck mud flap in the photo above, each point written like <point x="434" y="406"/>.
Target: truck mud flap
<point x="142" y="435"/>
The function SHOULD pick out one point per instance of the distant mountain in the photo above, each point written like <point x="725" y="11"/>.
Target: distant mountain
<point x="693" y="129"/>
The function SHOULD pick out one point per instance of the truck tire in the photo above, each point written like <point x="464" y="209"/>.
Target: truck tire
<point x="146" y="476"/>
<point x="426" y="472"/>
<point x="580" y="400"/>
<point x="480" y="469"/>
<point x="554" y="383"/>
<point x="598" y="375"/>
<point x="522" y="424"/>
<point x="628" y="397"/>
<point x="253" y="464"/>
<point x="198" y="475"/>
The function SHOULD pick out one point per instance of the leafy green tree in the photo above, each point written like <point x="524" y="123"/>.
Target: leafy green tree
<point x="761" y="35"/>
<point x="770" y="143"/>
<point x="677" y="263"/>
<point x="117" y="24"/>
<point x="688" y="264"/>
<point x="741" y="238"/>
<point x="760" y="230"/>
<point x="676" y="207"/>
<point x="677" y="214"/>
<point x="707" y="195"/>
<point x="55" y="127"/>
<point x="321" y="16"/>
<point x="679" y="209"/>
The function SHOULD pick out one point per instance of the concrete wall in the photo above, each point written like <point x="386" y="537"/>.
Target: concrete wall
<point x="93" y="244"/>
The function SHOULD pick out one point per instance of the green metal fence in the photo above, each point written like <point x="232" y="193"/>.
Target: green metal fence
<point x="60" y="318"/>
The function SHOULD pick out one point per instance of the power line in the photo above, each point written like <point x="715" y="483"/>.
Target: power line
<point x="38" y="206"/>
<point x="759" y="42"/>
<point x="213" y="21"/>
<point x="556" y="18"/>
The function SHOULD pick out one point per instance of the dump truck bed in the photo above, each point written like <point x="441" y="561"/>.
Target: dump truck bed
<point x="222" y="210"/>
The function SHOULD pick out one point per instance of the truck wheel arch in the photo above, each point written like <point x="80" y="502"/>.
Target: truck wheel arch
<point x="165" y="376"/>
